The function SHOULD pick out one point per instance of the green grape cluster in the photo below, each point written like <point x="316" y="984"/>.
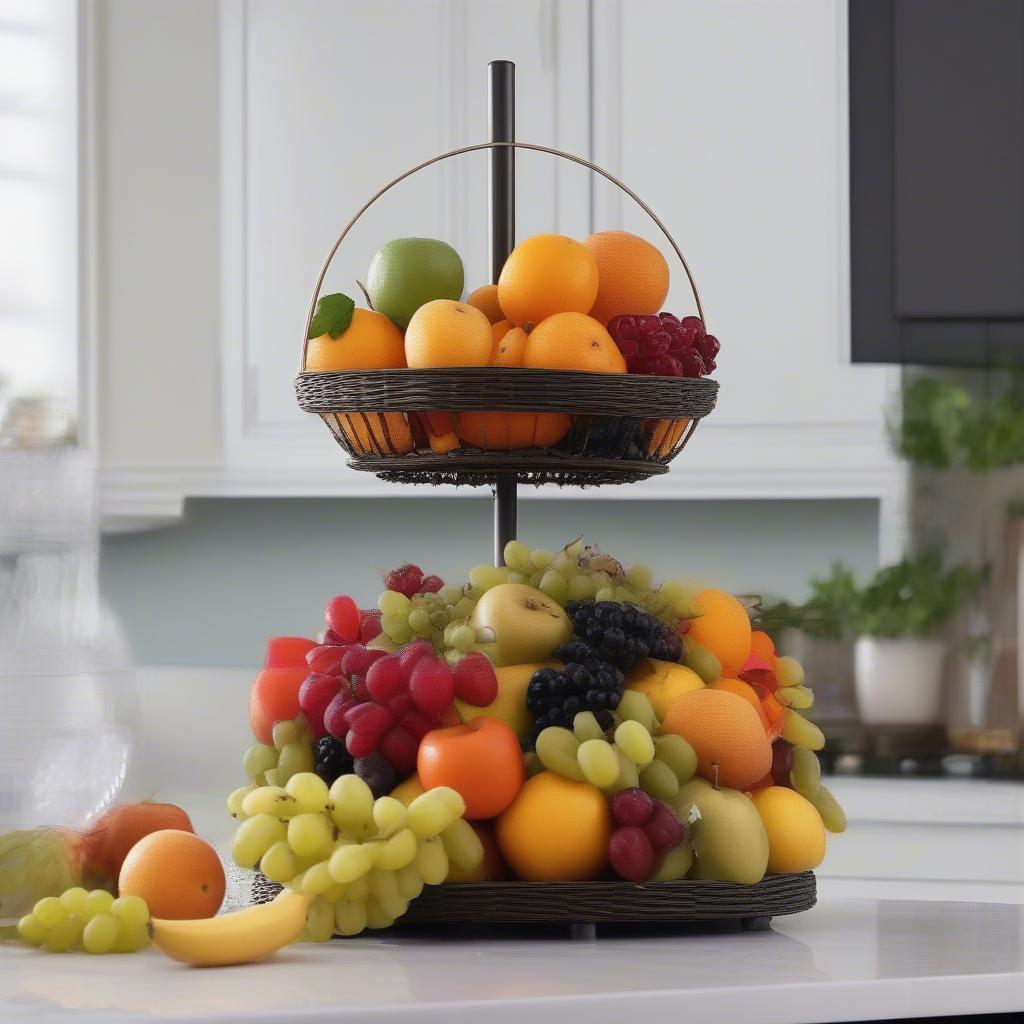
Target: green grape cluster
<point x="792" y="693"/>
<point x="805" y="778"/>
<point x="290" y="754"/>
<point x="633" y="755"/>
<point x="577" y="572"/>
<point x="442" y="618"/>
<point x="362" y="859"/>
<point x="580" y="572"/>
<point x="92" y="921"/>
<point x="805" y="738"/>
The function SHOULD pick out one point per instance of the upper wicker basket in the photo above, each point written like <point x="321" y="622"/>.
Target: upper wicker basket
<point x="540" y="426"/>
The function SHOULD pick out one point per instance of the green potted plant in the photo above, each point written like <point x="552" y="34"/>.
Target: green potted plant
<point x="963" y="435"/>
<point x="899" y="654"/>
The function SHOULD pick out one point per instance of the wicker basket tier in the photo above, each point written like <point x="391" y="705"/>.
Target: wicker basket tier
<point x="544" y="426"/>
<point x="538" y="426"/>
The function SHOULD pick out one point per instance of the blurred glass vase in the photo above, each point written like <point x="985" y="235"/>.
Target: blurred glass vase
<point x="65" y="686"/>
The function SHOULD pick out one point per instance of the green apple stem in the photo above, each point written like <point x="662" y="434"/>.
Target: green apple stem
<point x="714" y="771"/>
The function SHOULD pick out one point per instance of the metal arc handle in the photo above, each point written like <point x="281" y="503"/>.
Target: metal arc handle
<point x="478" y="147"/>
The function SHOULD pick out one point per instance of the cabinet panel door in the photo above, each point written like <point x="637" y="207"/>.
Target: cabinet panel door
<point x="329" y="102"/>
<point x="937" y="180"/>
<point x="959" y="160"/>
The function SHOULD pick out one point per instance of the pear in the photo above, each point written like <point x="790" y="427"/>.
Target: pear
<point x="525" y="623"/>
<point x="510" y="704"/>
<point x="729" y="840"/>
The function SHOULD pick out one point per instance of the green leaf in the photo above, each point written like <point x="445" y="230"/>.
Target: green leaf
<point x="333" y="315"/>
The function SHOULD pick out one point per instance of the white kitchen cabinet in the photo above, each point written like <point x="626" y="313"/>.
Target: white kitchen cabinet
<point x="728" y="118"/>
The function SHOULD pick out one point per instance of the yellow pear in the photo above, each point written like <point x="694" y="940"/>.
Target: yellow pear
<point x="510" y="704"/>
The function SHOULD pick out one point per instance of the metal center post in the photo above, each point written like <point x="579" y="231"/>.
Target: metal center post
<point x="502" y="91"/>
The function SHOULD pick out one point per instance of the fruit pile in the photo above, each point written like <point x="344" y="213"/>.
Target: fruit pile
<point x="559" y="304"/>
<point x="562" y="718"/>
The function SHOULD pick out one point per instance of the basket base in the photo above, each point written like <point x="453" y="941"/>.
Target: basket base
<point x="585" y="907"/>
<point x="482" y="469"/>
<point x="614" y="903"/>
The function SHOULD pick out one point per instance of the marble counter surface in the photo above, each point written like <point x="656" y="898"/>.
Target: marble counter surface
<point x="842" y="961"/>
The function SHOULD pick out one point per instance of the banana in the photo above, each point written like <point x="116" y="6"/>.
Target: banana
<point x="239" y="938"/>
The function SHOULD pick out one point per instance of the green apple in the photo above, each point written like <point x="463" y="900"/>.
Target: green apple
<point x="525" y="623"/>
<point x="408" y="272"/>
<point x="729" y="840"/>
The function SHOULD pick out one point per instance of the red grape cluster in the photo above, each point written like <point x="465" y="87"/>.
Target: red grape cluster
<point x="408" y="579"/>
<point x="647" y="828"/>
<point x="347" y="623"/>
<point x="383" y="704"/>
<point x="664" y="345"/>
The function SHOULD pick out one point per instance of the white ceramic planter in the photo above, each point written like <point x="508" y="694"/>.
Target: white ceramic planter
<point x="899" y="681"/>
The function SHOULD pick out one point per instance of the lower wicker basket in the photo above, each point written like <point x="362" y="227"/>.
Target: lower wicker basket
<point x="566" y="903"/>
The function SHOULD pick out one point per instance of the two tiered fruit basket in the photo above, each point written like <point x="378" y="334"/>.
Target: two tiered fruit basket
<point x="559" y="739"/>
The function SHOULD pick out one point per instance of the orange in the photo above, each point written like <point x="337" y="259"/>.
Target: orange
<point x="573" y="341"/>
<point x="722" y="625"/>
<point x="440" y="430"/>
<point x="726" y="733"/>
<point x="511" y="348"/>
<point x="498" y="331"/>
<point x="376" y="433"/>
<point x="481" y="760"/>
<point x="508" y="431"/>
<point x="749" y="694"/>
<point x="632" y="275"/>
<point x="438" y="422"/>
<point x="178" y="875"/>
<point x="544" y="275"/>
<point x="661" y="682"/>
<point x="796" y="836"/>
<point x="763" y="646"/>
<point x="485" y="298"/>
<point x="447" y="333"/>
<point x="274" y="698"/>
<point x="557" y="830"/>
<point x="108" y="840"/>
<point x="667" y="434"/>
<point x="370" y="342"/>
<point x="441" y="444"/>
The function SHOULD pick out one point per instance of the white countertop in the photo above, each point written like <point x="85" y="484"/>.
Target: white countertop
<point x="849" y="960"/>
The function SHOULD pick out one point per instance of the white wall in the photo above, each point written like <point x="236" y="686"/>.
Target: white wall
<point x="158" y="231"/>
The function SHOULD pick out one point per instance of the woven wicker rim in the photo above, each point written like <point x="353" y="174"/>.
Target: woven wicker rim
<point x="561" y="154"/>
<point x="510" y="902"/>
<point x="506" y="389"/>
<point x="608" y="901"/>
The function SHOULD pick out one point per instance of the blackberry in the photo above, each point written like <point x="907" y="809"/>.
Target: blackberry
<point x="332" y="759"/>
<point x="616" y="437"/>
<point x="557" y="696"/>
<point x="622" y="633"/>
<point x="575" y="652"/>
